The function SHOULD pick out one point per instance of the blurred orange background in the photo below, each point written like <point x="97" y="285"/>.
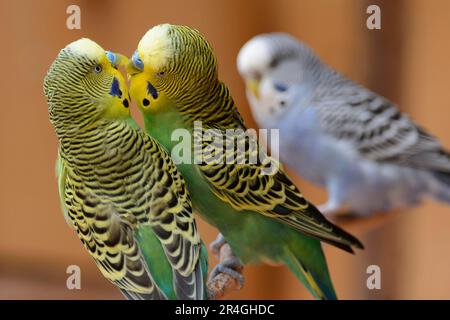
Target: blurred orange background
<point x="407" y="61"/>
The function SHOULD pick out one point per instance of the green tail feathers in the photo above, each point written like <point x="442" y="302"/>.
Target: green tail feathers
<point x="160" y="268"/>
<point x="310" y="267"/>
<point x="203" y="261"/>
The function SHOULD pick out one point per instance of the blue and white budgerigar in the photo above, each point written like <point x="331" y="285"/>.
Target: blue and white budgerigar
<point x="338" y="134"/>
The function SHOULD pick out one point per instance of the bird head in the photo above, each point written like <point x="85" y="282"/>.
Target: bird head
<point x="82" y="86"/>
<point x="273" y="67"/>
<point x="172" y="63"/>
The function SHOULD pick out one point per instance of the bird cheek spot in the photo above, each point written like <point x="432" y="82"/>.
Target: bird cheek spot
<point x="151" y="90"/>
<point x="125" y="103"/>
<point x="115" y="89"/>
<point x="145" y="102"/>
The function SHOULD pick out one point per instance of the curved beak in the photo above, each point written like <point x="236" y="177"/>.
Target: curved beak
<point x="253" y="86"/>
<point x="117" y="60"/>
<point x="131" y="69"/>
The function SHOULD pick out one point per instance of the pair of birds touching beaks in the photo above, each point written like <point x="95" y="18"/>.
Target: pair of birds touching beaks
<point x="131" y="200"/>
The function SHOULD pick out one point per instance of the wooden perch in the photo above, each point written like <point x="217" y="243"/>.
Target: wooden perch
<point x="222" y="284"/>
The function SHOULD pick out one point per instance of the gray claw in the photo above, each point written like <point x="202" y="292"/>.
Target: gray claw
<point x="228" y="266"/>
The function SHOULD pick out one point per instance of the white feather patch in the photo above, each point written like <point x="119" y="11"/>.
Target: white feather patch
<point x="254" y="57"/>
<point x="88" y="48"/>
<point x="155" y="46"/>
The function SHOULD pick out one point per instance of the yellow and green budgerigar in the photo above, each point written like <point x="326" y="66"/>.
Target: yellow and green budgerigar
<point x="119" y="189"/>
<point x="263" y="217"/>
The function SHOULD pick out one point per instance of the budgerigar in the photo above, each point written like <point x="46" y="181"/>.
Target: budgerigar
<point x="263" y="217"/>
<point x="335" y="133"/>
<point x="119" y="189"/>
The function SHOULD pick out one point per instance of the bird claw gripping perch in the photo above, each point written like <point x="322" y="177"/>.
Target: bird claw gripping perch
<point x="227" y="275"/>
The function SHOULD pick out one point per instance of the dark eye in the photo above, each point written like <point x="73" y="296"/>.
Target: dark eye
<point x="280" y="87"/>
<point x="161" y="74"/>
<point x="98" y="68"/>
<point x="274" y="63"/>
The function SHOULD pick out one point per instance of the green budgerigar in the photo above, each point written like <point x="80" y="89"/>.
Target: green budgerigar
<point x="262" y="215"/>
<point x="119" y="189"/>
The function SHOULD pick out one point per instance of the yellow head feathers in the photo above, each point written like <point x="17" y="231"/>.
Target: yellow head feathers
<point x="172" y="63"/>
<point x="156" y="46"/>
<point x="169" y="46"/>
<point x="87" y="48"/>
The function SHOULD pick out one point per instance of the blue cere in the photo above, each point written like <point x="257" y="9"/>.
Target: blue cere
<point x="280" y="87"/>
<point x="152" y="90"/>
<point x="111" y="57"/>
<point x="137" y="61"/>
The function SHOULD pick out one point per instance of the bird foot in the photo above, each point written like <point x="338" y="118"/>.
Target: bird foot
<point x="217" y="244"/>
<point x="230" y="267"/>
<point x="227" y="275"/>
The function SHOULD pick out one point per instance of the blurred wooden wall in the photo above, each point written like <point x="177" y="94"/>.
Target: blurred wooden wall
<point x="407" y="61"/>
